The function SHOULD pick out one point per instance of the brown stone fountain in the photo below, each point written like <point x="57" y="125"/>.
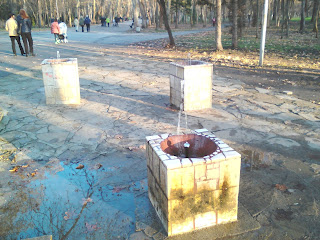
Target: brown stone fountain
<point x="193" y="180"/>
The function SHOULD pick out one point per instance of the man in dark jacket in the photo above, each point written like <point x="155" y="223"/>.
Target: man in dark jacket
<point x="24" y="23"/>
<point x="87" y="22"/>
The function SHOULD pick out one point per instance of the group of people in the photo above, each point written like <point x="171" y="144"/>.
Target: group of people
<point x="105" y="21"/>
<point x="20" y="26"/>
<point x="59" y="30"/>
<point x="82" y="21"/>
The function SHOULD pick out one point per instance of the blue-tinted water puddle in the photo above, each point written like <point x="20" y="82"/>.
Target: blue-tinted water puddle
<point x="70" y="203"/>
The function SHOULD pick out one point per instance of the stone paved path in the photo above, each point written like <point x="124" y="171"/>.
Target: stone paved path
<point x="125" y="97"/>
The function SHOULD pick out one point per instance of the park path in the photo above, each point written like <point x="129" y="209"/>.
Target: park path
<point x="124" y="98"/>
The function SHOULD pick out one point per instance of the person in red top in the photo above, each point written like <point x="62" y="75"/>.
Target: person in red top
<point x="55" y="29"/>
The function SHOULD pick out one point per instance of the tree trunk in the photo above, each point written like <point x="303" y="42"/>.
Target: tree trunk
<point x="234" y="24"/>
<point x="64" y="14"/>
<point x="194" y="13"/>
<point x="302" y="20"/>
<point x="287" y="18"/>
<point x="275" y="10"/>
<point x="163" y="9"/>
<point x="218" y="26"/>
<point x="70" y="17"/>
<point x="278" y="13"/>
<point x="315" y="29"/>
<point x="204" y="15"/>
<point x="315" y="26"/>
<point x="160" y="17"/>
<point x="157" y="16"/>
<point x="143" y="13"/>
<point x="257" y="19"/>
<point x="306" y="8"/>
<point x="168" y="7"/>
<point x="283" y="17"/>
<point x="57" y="9"/>
<point x="315" y="10"/>
<point x="152" y="12"/>
<point x="241" y="17"/>
<point x="135" y="13"/>
<point x="39" y="14"/>
<point x="94" y="12"/>
<point x="269" y="13"/>
<point x="78" y="10"/>
<point x="177" y="17"/>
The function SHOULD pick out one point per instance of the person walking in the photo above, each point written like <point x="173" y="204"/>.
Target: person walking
<point x="87" y="22"/>
<point x="81" y="22"/>
<point x="12" y="28"/>
<point x="108" y="21"/>
<point x="55" y="29"/>
<point x="25" y="24"/>
<point x="76" y="24"/>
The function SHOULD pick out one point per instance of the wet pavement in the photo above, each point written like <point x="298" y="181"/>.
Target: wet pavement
<point x="79" y="172"/>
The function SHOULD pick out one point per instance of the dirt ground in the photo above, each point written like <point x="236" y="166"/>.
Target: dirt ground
<point x="297" y="71"/>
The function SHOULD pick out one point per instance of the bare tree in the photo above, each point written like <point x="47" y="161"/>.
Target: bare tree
<point x="162" y="5"/>
<point x="302" y="20"/>
<point x="157" y="16"/>
<point x="287" y="17"/>
<point x="135" y="13"/>
<point x="218" y="26"/>
<point x="315" y="13"/>
<point x="143" y="13"/>
<point x="315" y="26"/>
<point x="234" y="24"/>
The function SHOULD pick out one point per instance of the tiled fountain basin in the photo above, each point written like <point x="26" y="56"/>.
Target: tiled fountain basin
<point x="196" y="192"/>
<point x="61" y="81"/>
<point x="191" y="85"/>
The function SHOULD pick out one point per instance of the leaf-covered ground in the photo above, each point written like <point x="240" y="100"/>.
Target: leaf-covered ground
<point x="290" y="63"/>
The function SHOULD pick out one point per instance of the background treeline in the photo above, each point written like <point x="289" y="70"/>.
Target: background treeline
<point x="240" y="13"/>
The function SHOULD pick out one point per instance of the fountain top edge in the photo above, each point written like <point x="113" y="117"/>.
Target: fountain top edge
<point x="59" y="61"/>
<point x="171" y="162"/>
<point x="191" y="63"/>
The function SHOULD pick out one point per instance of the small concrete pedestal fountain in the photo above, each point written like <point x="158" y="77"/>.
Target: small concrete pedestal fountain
<point x="61" y="81"/>
<point x="191" y="85"/>
<point x="193" y="180"/>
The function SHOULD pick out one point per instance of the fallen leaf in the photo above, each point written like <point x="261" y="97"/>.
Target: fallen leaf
<point x="69" y="215"/>
<point x="97" y="166"/>
<point x="15" y="169"/>
<point x="117" y="189"/>
<point x="133" y="148"/>
<point x="80" y="166"/>
<point x="86" y="200"/>
<point x="281" y="187"/>
<point x="142" y="146"/>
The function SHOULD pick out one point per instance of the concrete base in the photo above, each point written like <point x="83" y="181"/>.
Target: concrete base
<point x="246" y="223"/>
<point x="195" y="192"/>
<point x="61" y="81"/>
<point x="191" y="85"/>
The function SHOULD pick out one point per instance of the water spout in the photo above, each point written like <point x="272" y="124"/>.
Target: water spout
<point x="186" y="146"/>
<point x="189" y="58"/>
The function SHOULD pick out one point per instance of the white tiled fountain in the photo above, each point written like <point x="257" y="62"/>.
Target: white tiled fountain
<point x="192" y="187"/>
